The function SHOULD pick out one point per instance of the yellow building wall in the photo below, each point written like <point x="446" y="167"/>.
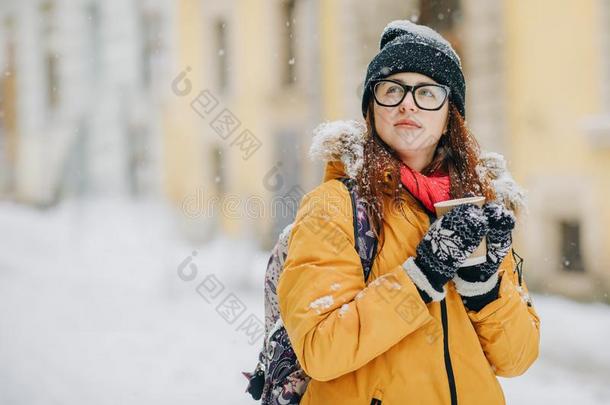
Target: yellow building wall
<point x="554" y="80"/>
<point x="181" y="142"/>
<point x="550" y="43"/>
<point x="251" y="75"/>
<point x="331" y="60"/>
<point x="244" y="209"/>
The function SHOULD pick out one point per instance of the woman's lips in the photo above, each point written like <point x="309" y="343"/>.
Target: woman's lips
<point x="407" y="124"/>
<point x="413" y="126"/>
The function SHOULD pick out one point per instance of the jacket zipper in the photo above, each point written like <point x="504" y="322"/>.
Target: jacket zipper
<point x="445" y="322"/>
<point x="448" y="366"/>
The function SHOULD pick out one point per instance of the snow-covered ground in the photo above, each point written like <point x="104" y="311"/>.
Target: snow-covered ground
<point x="93" y="311"/>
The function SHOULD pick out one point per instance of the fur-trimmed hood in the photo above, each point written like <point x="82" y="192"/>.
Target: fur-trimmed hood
<point x="341" y="145"/>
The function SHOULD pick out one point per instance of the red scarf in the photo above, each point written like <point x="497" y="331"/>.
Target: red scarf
<point x="427" y="189"/>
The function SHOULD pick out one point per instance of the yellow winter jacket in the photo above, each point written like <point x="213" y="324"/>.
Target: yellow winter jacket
<point x="380" y="343"/>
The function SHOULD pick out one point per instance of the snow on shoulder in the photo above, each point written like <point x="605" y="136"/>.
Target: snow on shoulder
<point x="340" y="141"/>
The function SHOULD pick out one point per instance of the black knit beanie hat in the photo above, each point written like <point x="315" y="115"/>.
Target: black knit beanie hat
<point x="409" y="47"/>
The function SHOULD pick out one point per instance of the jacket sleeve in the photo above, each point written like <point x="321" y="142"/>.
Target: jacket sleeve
<point x="509" y="327"/>
<point x="335" y="323"/>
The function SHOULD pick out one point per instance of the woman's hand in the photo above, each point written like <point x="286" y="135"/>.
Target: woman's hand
<point x="479" y="283"/>
<point x="446" y="245"/>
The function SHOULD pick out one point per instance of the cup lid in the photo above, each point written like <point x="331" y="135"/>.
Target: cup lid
<point x="457" y="201"/>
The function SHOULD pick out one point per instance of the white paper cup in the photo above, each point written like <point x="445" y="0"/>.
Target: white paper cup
<point x="480" y="254"/>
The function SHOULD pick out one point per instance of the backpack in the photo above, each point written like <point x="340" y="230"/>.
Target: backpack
<point x="278" y="377"/>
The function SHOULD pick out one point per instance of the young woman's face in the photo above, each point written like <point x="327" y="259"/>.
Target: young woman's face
<point x="406" y="128"/>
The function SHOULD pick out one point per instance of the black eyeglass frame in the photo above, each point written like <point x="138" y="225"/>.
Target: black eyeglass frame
<point x="406" y="88"/>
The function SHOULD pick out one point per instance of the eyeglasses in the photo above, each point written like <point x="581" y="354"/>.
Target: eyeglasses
<point x="390" y="93"/>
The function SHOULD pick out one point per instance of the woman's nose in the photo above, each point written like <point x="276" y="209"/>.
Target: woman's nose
<point x="408" y="103"/>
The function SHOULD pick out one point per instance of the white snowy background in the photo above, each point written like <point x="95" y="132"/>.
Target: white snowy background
<point x="92" y="311"/>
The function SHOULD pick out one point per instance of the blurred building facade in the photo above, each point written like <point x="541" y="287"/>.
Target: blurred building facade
<point x="79" y="95"/>
<point x="235" y="130"/>
<point x="212" y="104"/>
<point x="558" y="113"/>
<point x="515" y="54"/>
<point x="267" y="72"/>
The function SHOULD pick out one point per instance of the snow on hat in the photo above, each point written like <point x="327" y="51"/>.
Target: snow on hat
<point x="409" y="47"/>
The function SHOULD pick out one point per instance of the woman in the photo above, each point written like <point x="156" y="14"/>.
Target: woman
<point x="425" y="330"/>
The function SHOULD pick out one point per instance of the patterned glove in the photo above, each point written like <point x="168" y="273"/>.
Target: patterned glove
<point x="446" y="245"/>
<point x="479" y="285"/>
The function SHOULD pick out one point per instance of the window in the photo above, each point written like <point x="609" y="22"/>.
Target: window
<point x="218" y="169"/>
<point x="52" y="79"/>
<point x="8" y="103"/>
<point x="94" y="38"/>
<point x="50" y="57"/>
<point x="288" y="41"/>
<point x="444" y="16"/>
<point x="138" y="164"/>
<point x="8" y="84"/>
<point x="75" y="170"/>
<point x="221" y="57"/>
<point x="150" y="26"/>
<point x="571" y="256"/>
<point x="287" y="194"/>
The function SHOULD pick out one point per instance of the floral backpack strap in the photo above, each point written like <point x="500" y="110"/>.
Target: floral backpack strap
<point x="365" y="240"/>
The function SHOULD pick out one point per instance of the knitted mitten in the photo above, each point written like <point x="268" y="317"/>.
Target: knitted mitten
<point x="479" y="285"/>
<point x="446" y="245"/>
